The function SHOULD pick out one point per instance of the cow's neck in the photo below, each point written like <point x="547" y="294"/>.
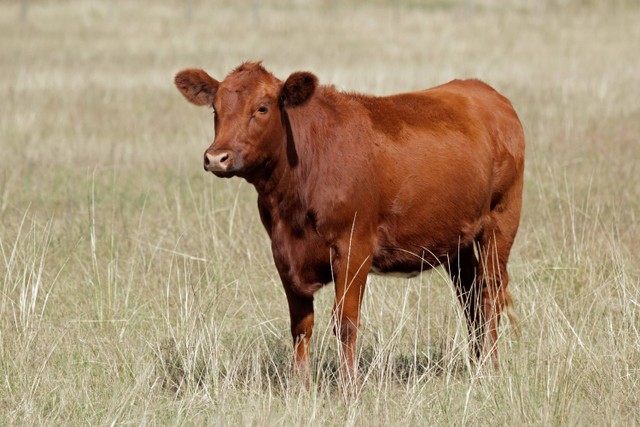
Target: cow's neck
<point x="282" y="186"/>
<point x="308" y="133"/>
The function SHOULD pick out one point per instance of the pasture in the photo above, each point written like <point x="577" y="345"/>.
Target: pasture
<point x="137" y="289"/>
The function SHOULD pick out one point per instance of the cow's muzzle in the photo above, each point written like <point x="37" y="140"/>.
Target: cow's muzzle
<point x="218" y="161"/>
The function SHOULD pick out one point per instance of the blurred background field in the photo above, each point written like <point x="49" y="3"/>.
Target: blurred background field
<point x="136" y="289"/>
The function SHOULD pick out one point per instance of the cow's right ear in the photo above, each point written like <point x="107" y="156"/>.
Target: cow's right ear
<point x="197" y="86"/>
<point x="298" y="88"/>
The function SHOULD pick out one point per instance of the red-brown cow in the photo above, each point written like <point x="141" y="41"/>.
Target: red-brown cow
<point x="350" y="184"/>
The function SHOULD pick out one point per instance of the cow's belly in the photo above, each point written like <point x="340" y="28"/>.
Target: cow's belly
<point x="401" y="262"/>
<point x="404" y="275"/>
<point x="407" y="251"/>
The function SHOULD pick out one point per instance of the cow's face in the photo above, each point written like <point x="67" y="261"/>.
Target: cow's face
<point x="249" y="129"/>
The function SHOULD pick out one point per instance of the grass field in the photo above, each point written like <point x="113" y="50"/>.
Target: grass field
<point x="136" y="289"/>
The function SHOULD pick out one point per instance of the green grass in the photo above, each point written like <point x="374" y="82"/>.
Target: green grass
<point x="136" y="289"/>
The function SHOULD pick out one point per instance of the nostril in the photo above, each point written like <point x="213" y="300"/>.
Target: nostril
<point x="219" y="161"/>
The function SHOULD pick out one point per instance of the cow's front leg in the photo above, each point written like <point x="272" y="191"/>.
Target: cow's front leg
<point x="351" y="266"/>
<point x="301" y="313"/>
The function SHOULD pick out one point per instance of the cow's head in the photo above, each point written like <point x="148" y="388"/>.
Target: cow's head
<point x="248" y="105"/>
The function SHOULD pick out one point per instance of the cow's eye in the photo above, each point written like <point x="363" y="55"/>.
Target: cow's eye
<point x="262" y="109"/>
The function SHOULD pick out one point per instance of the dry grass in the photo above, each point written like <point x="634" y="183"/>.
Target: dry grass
<point x="135" y="289"/>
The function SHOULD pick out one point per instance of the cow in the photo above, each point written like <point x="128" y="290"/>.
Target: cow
<point x="350" y="184"/>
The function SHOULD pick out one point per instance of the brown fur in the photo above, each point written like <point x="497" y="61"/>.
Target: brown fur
<point x="350" y="184"/>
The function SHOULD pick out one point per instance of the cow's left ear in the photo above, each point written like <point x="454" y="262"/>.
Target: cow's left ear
<point x="298" y="88"/>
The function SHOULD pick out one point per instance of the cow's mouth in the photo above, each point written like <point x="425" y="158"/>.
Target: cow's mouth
<point x="223" y="174"/>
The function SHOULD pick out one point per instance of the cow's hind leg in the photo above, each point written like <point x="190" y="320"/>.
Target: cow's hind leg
<point x="481" y="280"/>
<point x="463" y="270"/>
<point x="493" y="280"/>
<point x="495" y="246"/>
<point x="479" y="271"/>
